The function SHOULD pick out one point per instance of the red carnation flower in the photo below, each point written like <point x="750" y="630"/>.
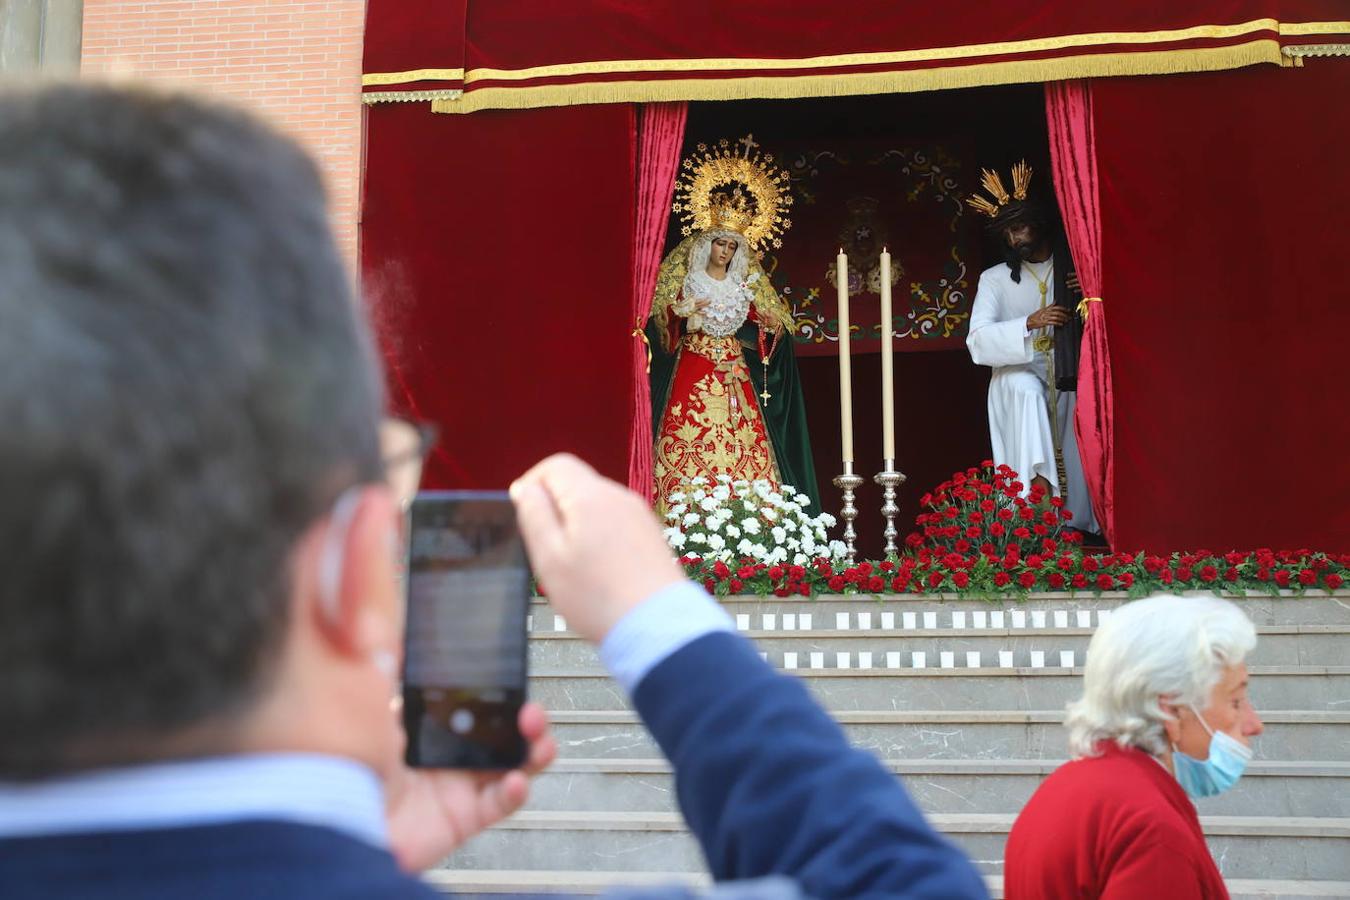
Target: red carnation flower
<point x="962" y="546"/>
<point x="837" y="584"/>
<point x="1066" y="515"/>
<point x="876" y="584"/>
<point x="746" y="572"/>
<point x="1332" y="581"/>
<point x="735" y="585"/>
<point x="1027" y="579"/>
<point x="997" y="529"/>
<point x="1307" y="576"/>
<point x="1021" y="533"/>
<point x="987" y="505"/>
<point x="1049" y="545"/>
<point x="1065" y="563"/>
<point x="1079" y="581"/>
<point x="1040" y="530"/>
<point x="1055" y="580"/>
<point x="804" y="589"/>
<point x="1184" y="573"/>
<point x="1026" y="514"/>
<point x="1165" y="576"/>
<point x="776" y="573"/>
<point x="887" y="565"/>
<point x="1105" y="582"/>
<point x="720" y="569"/>
<point x="899" y="583"/>
<point x="1057" y="502"/>
<point x="1126" y="579"/>
<point x="973" y="533"/>
<point x="961" y="580"/>
<point x="1002" y="579"/>
<point x="950" y="512"/>
<point x="1208" y="574"/>
<point x="1090" y="564"/>
<point x="1049" y="517"/>
<point x="709" y="585"/>
<point x="1005" y="514"/>
<point x="865" y="568"/>
<point x="935" y="579"/>
<point x="1282" y="577"/>
<point x="1263" y="574"/>
<point x="782" y="591"/>
<point x="1231" y="575"/>
<point x="797" y="573"/>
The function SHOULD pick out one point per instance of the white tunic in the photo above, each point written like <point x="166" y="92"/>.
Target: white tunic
<point x="1019" y="418"/>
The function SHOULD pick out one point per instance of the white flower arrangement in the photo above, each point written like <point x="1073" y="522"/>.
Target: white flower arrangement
<point x="736" y="520"/>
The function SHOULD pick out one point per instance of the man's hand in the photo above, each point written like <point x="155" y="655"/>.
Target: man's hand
<point x="595" y="545"/>
<point x="1044" y="318"/>
<point x="433" y="811"/>
<point x="1071" y="282"/>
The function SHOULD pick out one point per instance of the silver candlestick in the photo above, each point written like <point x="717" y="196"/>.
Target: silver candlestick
<point x="889" y="479"/>
<point x="848" y="483"/>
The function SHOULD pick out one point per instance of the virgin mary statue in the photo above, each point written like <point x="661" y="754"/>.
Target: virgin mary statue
<point x="725" y="394"/>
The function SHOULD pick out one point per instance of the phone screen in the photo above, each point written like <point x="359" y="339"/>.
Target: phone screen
<point x="464" y="669"/>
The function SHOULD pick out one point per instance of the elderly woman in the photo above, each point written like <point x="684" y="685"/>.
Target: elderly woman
<point x="1164" y="718"/>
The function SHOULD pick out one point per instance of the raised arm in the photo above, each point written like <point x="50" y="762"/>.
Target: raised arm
<point x="767" y="781"/>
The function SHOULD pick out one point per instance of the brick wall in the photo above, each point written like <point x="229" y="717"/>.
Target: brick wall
<point x="298" y="63"/>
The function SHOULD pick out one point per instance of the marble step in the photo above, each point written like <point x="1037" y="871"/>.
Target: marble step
<point x="947" y="734"/>
<point x="1318" y="608"/>
<point x="1277" y="645"/>
<point x="470" y="884"/>
<point x="947" y="786"/>
<point x="1272" y="687"/>
<point x="1300" y="848"/>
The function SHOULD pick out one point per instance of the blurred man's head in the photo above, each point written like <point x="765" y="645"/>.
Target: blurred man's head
<point x="188" y="390"/>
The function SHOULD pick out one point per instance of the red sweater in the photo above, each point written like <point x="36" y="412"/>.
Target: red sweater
<point x="1115" y="826"/>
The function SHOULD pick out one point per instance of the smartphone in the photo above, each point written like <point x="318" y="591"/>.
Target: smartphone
<point x="464" y="660"/>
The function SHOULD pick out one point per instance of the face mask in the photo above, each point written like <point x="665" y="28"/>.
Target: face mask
<point x="1228" y="758"/>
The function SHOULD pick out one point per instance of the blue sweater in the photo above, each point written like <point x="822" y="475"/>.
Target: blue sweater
<point x="766" y="780"/>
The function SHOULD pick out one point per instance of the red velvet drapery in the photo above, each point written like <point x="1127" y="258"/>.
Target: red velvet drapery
<point x="660" y="136"/>
<point x="531" y="53"/>
<point x="1223" y="202"/>
<point x="1073" y="153"/>
<point x="497" y="258"/>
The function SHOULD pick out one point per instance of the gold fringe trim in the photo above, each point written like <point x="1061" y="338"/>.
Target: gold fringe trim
<point x="374" y="79"/>
<point x="373" y="97"/>
<point x="1156" y="62"/>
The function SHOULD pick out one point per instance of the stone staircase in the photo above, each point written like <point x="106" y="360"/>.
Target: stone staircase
<point x="963" y="700"/>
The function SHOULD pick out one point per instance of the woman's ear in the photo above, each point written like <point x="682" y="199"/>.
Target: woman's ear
<point x="1172" y="724"/>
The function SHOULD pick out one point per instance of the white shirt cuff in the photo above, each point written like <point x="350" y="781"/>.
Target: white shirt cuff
<point x="657" y="627"/>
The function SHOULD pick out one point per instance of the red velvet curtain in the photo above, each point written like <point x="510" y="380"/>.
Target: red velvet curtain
<point x="496" y="253"/>
<point x="1073" y="154"/>
<point x="1223" y="203"/>
<point x="660" y="136"/>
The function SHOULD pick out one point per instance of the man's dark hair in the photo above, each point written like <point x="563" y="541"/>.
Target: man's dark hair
<point x="187" y="387"/>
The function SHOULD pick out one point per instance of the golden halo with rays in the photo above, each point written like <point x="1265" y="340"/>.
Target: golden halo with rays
<point x="734" y="186"/>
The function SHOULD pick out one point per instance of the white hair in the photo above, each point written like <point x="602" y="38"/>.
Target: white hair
<point x="1163" y="646"/>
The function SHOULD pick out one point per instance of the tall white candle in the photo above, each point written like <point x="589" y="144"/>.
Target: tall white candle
<point x="845" y="364"/>
<point x="887" y="363"/>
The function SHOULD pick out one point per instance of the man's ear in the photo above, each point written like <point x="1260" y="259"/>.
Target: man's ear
<point x="354" y="600"/>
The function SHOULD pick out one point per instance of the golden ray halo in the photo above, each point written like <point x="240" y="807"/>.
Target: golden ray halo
<point x="734" y="186"/>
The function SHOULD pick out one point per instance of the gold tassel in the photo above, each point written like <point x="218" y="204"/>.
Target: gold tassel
<point x="638" y="332"/>
<point x="1083" y="306"/>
